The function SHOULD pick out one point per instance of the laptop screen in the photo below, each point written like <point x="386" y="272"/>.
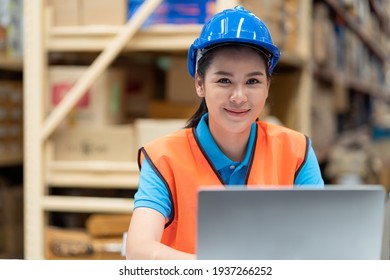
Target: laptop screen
<point x="330" y="223"/>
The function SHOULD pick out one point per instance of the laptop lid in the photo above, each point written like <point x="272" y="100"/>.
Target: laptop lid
<point x="301" y="223"/>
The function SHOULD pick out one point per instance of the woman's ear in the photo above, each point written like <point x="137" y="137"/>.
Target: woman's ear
<point x="199" y="85"/>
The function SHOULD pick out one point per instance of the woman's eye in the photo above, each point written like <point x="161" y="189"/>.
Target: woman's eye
<point x="224" y="81"/>
<point x="253" y="81"/>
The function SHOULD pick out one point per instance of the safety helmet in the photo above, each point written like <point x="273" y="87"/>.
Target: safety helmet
<point x="233" y="26"/>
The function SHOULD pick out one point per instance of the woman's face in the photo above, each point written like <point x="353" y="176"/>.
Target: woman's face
<point x="235" y="87"/>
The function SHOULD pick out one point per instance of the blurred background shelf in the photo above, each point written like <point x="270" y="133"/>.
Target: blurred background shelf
<point x="96" y="174"/>
<point x="9" y="160"/>
<point x="13" y="64"/>
<point x="86" y="204"/>
<point x="364" y="35"/>
<point x="332" y="83"/>
<point x="365" y="87"/>
<point x="95" y="38"/>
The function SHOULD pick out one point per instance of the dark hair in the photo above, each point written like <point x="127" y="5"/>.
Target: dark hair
<point x="203" y="64"/>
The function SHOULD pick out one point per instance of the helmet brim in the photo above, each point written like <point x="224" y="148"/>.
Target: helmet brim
<point x="271" y="52"/>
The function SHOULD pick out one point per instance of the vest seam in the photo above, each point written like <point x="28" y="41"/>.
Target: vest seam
<point x="206" y="157"/>
<point x="139" y="158"/>
<point x="252" y="157"/>
<point x="155" y="169"/>
<point x="304" y="159"/>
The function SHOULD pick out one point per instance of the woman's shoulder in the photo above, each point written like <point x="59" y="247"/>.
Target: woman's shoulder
<point x="283" y="137"/>
<point x="272" y="129"/>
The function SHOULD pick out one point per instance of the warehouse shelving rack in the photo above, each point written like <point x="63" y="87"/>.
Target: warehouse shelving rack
<point x="11" y="64"/>
<point x="368" y="88"/>
<point x="41" y="172"/>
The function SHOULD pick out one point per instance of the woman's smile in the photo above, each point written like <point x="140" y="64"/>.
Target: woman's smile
<point x="238" y="113"/>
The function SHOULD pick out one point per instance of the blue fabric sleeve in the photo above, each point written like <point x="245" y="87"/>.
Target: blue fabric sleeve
<point x="152" y="192"/>
<point x="310" y="174"/>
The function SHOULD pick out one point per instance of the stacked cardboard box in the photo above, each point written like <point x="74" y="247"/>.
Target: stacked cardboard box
<point x="99" y="128"/>
<point x="146" y="130"/>
<point x="11" y="221"/>
<point x="170" y="110"/>
<point x="11" y="119"/>
<point x="323" y="37"/>
<point x="337" y="47"/>
<point x="177" y="11"/>
<point x="101" y="105"/>
<point x="282" y="19"/>
<point x="105" y="12"/>
<point x="101" y="239"/>
<point x="94" y="129"/>
<point x="110" y="143"/>
<point x="180" y="86"/>
<point x="324" y="116"/>
<point x="381" y="149"/>
<point x="141" y="85"/>
<point x="88" y="12"/>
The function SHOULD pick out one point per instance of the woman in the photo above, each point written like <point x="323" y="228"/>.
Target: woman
<point x="223" y="145"/>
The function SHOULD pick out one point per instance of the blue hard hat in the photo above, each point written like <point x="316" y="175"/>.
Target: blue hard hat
<point x="234" y="26"/>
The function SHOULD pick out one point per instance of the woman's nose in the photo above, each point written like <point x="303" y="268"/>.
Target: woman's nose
<point x="238" y="95"/>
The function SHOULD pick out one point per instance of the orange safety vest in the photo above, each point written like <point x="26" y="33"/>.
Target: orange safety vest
<point x="181" y="163"/>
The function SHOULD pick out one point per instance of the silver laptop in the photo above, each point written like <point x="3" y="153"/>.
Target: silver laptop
<point x="333" y="223"/>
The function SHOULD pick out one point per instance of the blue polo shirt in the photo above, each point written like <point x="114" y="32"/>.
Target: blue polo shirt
<point x="152" y="193"/>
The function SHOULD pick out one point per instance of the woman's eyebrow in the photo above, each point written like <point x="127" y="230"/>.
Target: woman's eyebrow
<point x="225" y="73"/>
<point x="255" y="73"/>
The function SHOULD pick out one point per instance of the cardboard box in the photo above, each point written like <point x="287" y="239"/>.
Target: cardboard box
<point x="180" y="86"/>
<point x="140" y="87"/>
<point x="77" y="244"/>
<point x="88" y="12"/>
<point x="171" y="110"/>
<point x="283" y="106"/>
<point x="3" y="40"/>
<point x="11" y="93"/>
<point x="385" y="177"/>
<point x="281" y="17"/>
<point x="11" y="204"/>
<point x="264" y="8"/>
<point x="111" y="143"/>
<point x="381" y="150"/>
<point x="65" y="13"/>
<point x="103" y="12"/>
<point x="324" y="117"/>
<point x="101" y="105"/>
<point x="147" y="130"/>
<point x="11" y="221"/>
<point x="11" y="241"/>
<point x="177" y="11"/>
<point x="190" y="11"/>
<point x="11" y="119"/>
<point x="107" y="225"/>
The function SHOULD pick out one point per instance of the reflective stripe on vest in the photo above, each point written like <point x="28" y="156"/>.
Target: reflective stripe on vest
<point x="179" y="160"/>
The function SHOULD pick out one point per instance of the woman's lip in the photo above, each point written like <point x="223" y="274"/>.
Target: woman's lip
<point x="235" y="111"/>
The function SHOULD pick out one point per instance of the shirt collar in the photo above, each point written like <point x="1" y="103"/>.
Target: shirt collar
<point x="217" y="157"/>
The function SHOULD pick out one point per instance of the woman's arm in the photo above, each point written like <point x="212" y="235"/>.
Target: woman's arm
<point x="144" y="235"/>
<point x="310" y="174"/>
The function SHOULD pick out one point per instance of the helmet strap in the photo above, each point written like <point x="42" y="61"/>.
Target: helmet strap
<point x="199" y="54"/>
